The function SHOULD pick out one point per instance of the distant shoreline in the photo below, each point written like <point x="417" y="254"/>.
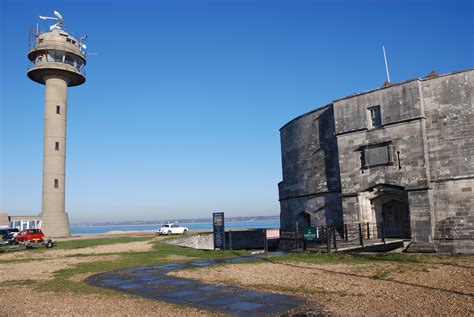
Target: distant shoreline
<point x="161" y="223"/>
<point x="134" y="225"/>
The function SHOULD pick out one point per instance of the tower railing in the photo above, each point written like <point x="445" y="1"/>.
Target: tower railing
<point x="82" y="70"/>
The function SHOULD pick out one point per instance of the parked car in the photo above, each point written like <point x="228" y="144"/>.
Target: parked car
<point x="172" y="228"/>
<point x="6" y="237"/>
<point x="30" y="235"/>
<point x="14" y="231"/>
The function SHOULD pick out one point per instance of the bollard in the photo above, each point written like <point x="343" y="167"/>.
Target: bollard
<point x="334" y="237"/>
<point x="296" y="235"/>
<point x="328" y="242"/>
<point x="345" y="233"/>
<point x="368" y="231"/>
<point x="383" y="233"/>
<point x="361" y="239"/>
<point x="265" y="240"/>
<point x="230" y="240"/>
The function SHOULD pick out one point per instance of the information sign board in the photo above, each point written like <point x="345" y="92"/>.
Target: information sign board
<point x="218" y="230"/>
<point x="273" y="233"/>
<point x="310" y="234"/>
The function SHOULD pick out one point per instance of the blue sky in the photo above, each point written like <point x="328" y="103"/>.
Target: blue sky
<point x="180" y="112"/>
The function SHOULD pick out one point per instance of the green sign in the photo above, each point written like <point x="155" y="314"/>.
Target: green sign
<point x="309" y="234"/>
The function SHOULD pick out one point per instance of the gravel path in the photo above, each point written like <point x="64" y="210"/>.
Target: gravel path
<point x="19" y="299"/>
<point x="139" y="246"/>
<point x="38" y="266"/>
<point x="373" y="289"/>
<point x="24" y="301"/>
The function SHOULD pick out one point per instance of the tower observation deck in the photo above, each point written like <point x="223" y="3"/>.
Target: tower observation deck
<point x="58" y="62"/>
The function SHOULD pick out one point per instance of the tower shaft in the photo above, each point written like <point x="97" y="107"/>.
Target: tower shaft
<point x="58" y="63"/>
<point x="55" y="218"/>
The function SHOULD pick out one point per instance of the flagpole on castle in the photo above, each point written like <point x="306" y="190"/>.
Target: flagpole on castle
<point x="386" y="64"/>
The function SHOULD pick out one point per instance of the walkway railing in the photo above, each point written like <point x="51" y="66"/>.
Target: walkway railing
<point x="333" y="238"/>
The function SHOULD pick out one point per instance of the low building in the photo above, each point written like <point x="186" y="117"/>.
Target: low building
<point x="4" y="221"/>
<point x="399" y="156"/>
<point x="20" y="222"/>
<point x="25" y="222"/>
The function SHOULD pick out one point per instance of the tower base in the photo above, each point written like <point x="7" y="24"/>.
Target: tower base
<point x="56" y="225"/>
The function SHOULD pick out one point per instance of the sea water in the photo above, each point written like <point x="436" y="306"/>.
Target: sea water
<point x="257" y="224"/>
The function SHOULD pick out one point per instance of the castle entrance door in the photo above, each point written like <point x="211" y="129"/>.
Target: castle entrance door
<point x="396" y="219"/>
<point x="390" y="209"/>
<point x="304" y="221"/>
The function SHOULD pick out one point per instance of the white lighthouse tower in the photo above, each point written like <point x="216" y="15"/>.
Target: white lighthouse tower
<point x="58" y="63"/>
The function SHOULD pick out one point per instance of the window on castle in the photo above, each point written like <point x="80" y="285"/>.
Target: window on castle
<point x="58" y="109"/>
<point x="375" y="117"/>
<point x="56" y="146"/>
<point x="56" y="183"/>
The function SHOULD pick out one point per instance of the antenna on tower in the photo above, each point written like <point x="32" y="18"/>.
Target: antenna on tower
<point x="31" y="37"/>
<point x="81" y="42"/>
<point x="83" y="45"/>
<point x="386" y="66"/>
<point x="58" y="17"/>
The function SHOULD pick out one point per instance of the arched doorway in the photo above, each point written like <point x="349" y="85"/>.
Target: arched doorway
<point x="396" y="219"/>
<point x="385" y="207"/>
<point x="304" y="220"/>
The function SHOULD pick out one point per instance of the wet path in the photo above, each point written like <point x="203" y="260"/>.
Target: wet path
<point x="154" y="283"/>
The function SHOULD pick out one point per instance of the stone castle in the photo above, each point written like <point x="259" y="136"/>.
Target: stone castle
<point x="400" y="155"/>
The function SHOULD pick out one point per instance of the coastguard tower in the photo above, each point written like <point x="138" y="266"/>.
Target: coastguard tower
<point x="58" y="63"/>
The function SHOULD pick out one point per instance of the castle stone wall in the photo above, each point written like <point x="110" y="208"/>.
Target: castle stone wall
<point x="310" y="170"/>
<point x="406" y="169"/>
<point x="449" y="104"/>
<point x="421" y="156"/>
<point x="398" y="103"/>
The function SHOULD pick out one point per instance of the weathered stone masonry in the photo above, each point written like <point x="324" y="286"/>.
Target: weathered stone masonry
<point x="398" y="155"/>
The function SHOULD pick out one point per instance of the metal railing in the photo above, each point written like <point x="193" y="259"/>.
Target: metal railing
<point x="82" y="70"/>
<point x="332" y="238"/>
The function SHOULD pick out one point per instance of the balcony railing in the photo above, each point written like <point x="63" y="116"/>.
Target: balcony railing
<point x="82" y="70"/>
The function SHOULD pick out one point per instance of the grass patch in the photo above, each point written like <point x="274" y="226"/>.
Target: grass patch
<point x="22" y="260"/>
<point x="86" y="255"/>
<point x="17" y="283"/>
<point x="78" y="244"/>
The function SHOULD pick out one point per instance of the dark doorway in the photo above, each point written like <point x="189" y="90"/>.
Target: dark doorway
<point x="396" y="219"/>
<point x="304" y="220"/>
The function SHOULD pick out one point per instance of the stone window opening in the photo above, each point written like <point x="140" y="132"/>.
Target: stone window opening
<point x="56" y="183"/>
<point x="398" y="159"/>
<point x="56" y="146"/>
<point x="58" y="109"/>
<point x="374" y="117"/>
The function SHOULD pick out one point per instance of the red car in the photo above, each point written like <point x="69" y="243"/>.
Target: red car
<point x="30" y="235"/>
